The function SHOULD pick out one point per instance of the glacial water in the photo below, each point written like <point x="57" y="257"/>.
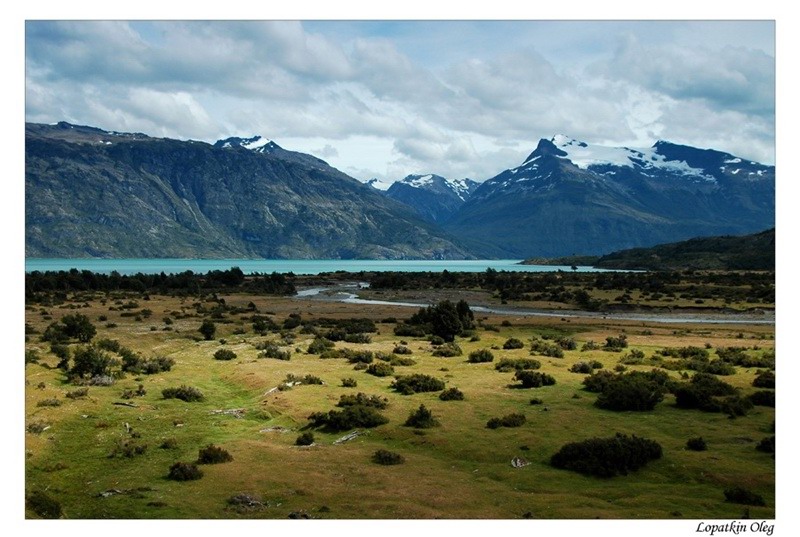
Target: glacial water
<point x="296" y="266"/>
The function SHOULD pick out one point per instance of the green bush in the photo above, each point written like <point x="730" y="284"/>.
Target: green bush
<point x="509" y="420"/>
<point x="183" y="392"/>
<point x="44" y="505"/>
<point x="380" y="369"/>
<point x="451" y="394"/>
<point x="764" y="379"/>
<point x="696" y="444"/>
<point x="350" y="417"/>
<point x="546" y="349"/>
<point x="743" y="496"/>
<point x="359" y="357"/>
<point x="630" y="391"/>
<point x="387" y="458"/>
<point x="224" y="354"/>
<point x="184" y="471"/>
<point x="349" y="383"/>
<point x="702" y="393"/>
<point x="207" y="329"/>
<point x="534" y="379"/>
<point x="305" y="439"/>
<point x="536" y="401"/>
<point x="581" y="367"/>
<point x="513" y="343"/>
<point x="480" y="356"/>
<point x="417" y="383"/>
<point x="763" y="398"/>
<point x="448" y="350"/>
<point x="616" y="344"/>
<point x="271" y="350"/>
<point x="320" y="345"/>
<point x="375" y="401"/>
<point x="422" y="418"/>
<point x="506" y="365"/>
<point x="767" y="445"/>
<point x="402" y="349"/>
<point x="212" y="454"/>
<point x="78" y="394"/>
<point x="607" y="457"/>
<point x="89" y="361"/>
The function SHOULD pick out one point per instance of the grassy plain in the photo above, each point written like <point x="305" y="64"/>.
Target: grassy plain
<point x="460" y="469"/>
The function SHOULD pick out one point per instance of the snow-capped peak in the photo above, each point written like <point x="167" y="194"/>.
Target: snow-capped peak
<point x="256" y="143"/>
<point x="378" y="184"/>
<point x="419" y="181"/>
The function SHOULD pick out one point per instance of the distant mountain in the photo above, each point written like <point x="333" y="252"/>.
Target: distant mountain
<point x="433" y="197"/>
<point x="749" y="252"/>
<point x="95" y="193"/>
<point x="569" y="197"/>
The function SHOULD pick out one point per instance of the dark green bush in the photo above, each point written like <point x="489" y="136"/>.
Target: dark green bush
<point x="764" y="379"/>
<point x="417" y="383"/>
<point x="763" y="398"/>
<point x="546" y="349"/>
<point x="320" y="345"/>
<point x="422" y="418"/>
<point x="271" y="350"/>
<point x="404" y="361"/>
<point x="607" y="457"/>
<point x="767" y="445"/>
<point x="349" y="383"/>
<point x="509" y="420"/>
<point x="743" y="496"/>
<point x="506" y="365"/>
<point x="597" y="381"/>
<point x="480" y="356"/>
<point x="402" y="349"/>
<point x="358" y="338"/>
<point x="375" y="401"/>
<point x="702" y="393"/>
<point x="208" y="329"/>
<point x="696" y="444"/>
<point x="534" y="379"/>
<point x="616" y="344"/>
<point x="380" y="369"/>
<point x="387" y="458"/>
<point x="581" y="367"/>
<point x="212" y="454"/>
<point x="183" y="392"/>
<point x="350" y="417"/>
<point x="305" y="439"/>
<point x="184" y="471"/>
<point x="513" y="343"/>
<point x="566" y="343"/>
<point x="359" y="357"/>
<point x="451" y="394"/>
<point x="448" y="350"/>
<point x="224" y="354"/>
<point x="89" y="361"/>
<point x="630" y="392"/>
<point x="536" y="401"/>
<point x="43" y="505"/>
<point x="77" y="394"/>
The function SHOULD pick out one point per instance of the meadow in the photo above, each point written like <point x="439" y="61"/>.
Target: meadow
<point x="105" y="451"/>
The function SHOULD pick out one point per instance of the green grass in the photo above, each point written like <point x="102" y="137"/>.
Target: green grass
<point x="458" y="470"/>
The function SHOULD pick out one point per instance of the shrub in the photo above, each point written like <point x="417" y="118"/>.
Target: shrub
<point x="448" y="350"/>
<point x="764" y="379"/>
<point x="49" y="402"/>
<point x="208" y="329"/>
<point x="183" y="392"/>
<point x="128" y="448"/>
<point x="767" y="445"/>
<point x="590" y="346"/>
<point x="701" y="392"/>
<point x="359" y="357"/>
<point x="77" y="394"/>
<point x="452" y="394"/>
<point x="607" y="457"/>
<point x="513" y="343"/>
<point x="374" y="401"/>
<point x="743" y="496"/>
<point x="402" y="349"/>
<point x="616" y="344"/>
<point x="43" y="505"/>
<point x="483" y="355"/>
<point x="506" y="365"/>
<point x="763" y="398"/>
<point x="224" y="354"/>
<point x="402" y="361"/>
<point x="89" y="361"/>
<point x="422" y="418"/>
<point x="212" y="454"/>
<point x="630" y="391"/>
<point x="417" y="383"/>
<point x="509" y="420"/>
<point x="387" y="458"/>
<point x="536" y="401"/>
<point x="546" y="349"/>
<point x="380" y="369"/>
<point x="184" y="471"/>
<point x="169" y="443"/>
<point x="349" y="383"/>
<point x="534" y="379"/>
<point x="634" y="357"/>
<point x="320" y="345"/>
<point x="305" y="439"/>
<point x="581" y="367"/>
<point x="696" y="444"/>
<point x="273" y="351"/>
<point x="350" y="417"/>
<point x="358" y="338"/>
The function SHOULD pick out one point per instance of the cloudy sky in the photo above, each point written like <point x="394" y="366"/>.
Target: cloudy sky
<point x="386" y="99"/>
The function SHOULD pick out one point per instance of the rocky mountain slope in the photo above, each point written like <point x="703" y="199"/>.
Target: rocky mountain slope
<point x="571" y="198"/>
<point x="433" y="197"/>
<point x="93" y="193"/>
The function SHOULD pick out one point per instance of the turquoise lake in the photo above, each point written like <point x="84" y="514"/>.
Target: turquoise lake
<point x="296" y="266"/>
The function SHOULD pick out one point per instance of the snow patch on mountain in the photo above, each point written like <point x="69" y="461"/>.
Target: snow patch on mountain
<point x="377" y="184"/>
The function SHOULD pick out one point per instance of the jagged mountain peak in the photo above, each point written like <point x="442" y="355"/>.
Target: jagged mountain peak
<point x="256" y="143"/>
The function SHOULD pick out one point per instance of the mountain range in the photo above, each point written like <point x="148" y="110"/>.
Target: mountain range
<point x="96" y="193"/>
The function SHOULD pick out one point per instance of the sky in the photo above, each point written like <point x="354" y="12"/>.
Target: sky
<point x="388" y="98"/>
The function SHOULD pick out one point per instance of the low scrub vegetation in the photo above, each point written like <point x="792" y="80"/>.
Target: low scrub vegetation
<point x="481" y="356"/>
<point x="387" y="458"/>
<point x="743" y="496"/>
<point x="224" y="354"/>
<point x="607" y="457"/>
<point x="451" y="394"/>
<point x="506" y="365"/>
<point x="534" y="379"/>
<point x="212" y="454"/>
<point x="184" y="471"/>
<point x="184" y="393"/>
<point x="417" y="383"/>
<point x="509" y="420"/>
<point x="422" y="418"/>
<point x="350" y="417"/>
